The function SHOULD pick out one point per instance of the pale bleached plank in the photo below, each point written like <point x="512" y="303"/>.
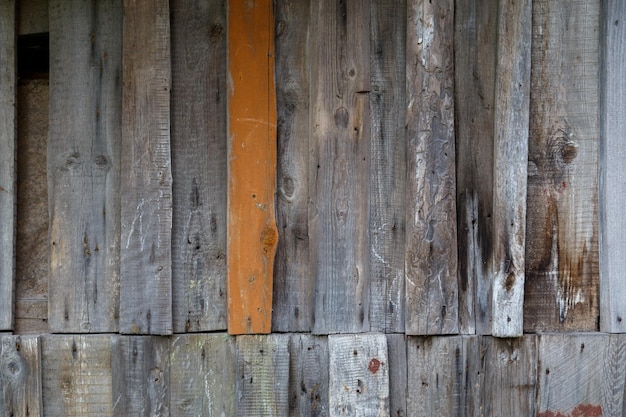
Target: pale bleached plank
<point x="398" y="372"/>
<point x="359" y="375"/>
<point x="20" y="376"/>
<point x="308" y="375"/>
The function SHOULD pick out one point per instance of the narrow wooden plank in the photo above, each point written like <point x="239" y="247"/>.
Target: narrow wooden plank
<point x="510" y="166"/>
<point x="199" y="165"/>
<point x="31" y="316"/>
<point x="76" y="377"/>
<point x="20" y="376"/>
<point x="84" y="166"/>
<point x="202" y="375"/>
<point x="308" y="375"/>
<point x="262" y="375"/>
<point x="388" y="164"/>
<point x="340" y="165"/>
<point x="145" y="273"/>
<point x="613" y="170"/>
<point x="32" y="16"/>
<point x="140" y="368"/>
<point x="359" y="375"/>
<point x="293" y="287"/>
<point x="431" y="255"/>
<point x="561" y="291"/>
<point x="398" y="373"/>
<point x="252" y="233"/>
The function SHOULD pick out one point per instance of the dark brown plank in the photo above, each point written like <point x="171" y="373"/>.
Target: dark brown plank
<point x="398" y="373"/>
<point x="308" y="375"/>
<point x="20" y="376"/>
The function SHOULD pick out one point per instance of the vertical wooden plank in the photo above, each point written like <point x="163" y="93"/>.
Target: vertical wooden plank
<point x="612" y="168"/>
<point x="140" y="367"/>
<point x="293" y="286"/>
<point x="398" y="372"/>
<point x="388" y="164"/>
<point x="84" y="165"/>
<point x="561" y="291"/>
<point x="340" y="165"/>
<point x="262" y="376"/>
<point x="202" y="375"/>
<point x="308" y="375"/>
<point x="145" y="273"/>
<point x="76" y="375"/>
<point x="20" y="376"/>
<point x="359" y="375"/>
<point x="32" y="16"/>
<point x="252" y="233"/>
<point x="199" y="165"/>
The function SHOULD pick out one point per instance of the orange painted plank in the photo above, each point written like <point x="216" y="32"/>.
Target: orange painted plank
<point x="252" y="233"/>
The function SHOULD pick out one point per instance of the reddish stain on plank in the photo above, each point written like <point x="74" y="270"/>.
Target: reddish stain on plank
<point x="374" y="365"/>
<point x="581" y="410"/>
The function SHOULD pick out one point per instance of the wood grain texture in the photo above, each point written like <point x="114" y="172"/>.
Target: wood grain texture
<point x="359" y="375"/>
<point x="339" y="161"/>
<point x="308" y="375"/>
<point x="199" y="165"/>
<point x="398" y="373"/>
<point x="32" y="16"/>
<point x="20" y="376"/>
<point x="146" y="192"/>
<point x="202" y="375"/>
<point x="84" y="166"/>
<point x="252" y="233"/>
<point x="612" y="169"/>
<point x="431" y="256"/>
<point x="561" y="291"/>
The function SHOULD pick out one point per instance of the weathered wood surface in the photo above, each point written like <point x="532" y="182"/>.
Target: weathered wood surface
<point x="359" y="375"/>
<point x="252" y="233"/>
<point x="146" y="192"/>
<point x="84" y="165"/>
<point x="32" y="16"/>
<point x="262" y="375"/>
<point x="339" y="161"/>
<point x="613" y="170"/>
<point x="398" y="373"/>
<point x="561" y="291"/>
<point x="308" y="375"/>
<point x="431" y="255"/>
<point x="20" y="376"/>
<point x="8" y="130"/>
<point x="199" y="165"/>
<point x="202" y="375"/>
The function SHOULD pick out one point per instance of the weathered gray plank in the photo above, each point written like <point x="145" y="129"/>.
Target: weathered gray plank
<point x="32" y="16"/>
<point x="262" y="375"/>
<point x="202" y="375"/>
<point x="308" y="375"/>
<point x="293" y="287"/>
<point x="340" y="165"/>
<point x="140" y="368"/>
<point x="431" y="255"/>
<point x="20" y="376"/>
<point x="388" y="165"/>
<point x="561" y="291"/>
<point x="76" y="378"/>
<point x="398" y="366"/>
<point x="145" y="273"/>
<point x="199" y="159"/>
<point x="613" y="169"/>
<point x="359" y="375"/>
<point x="84" y="165"/>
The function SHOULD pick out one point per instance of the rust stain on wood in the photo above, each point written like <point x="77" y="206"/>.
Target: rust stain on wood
<point x="581" y="410"/>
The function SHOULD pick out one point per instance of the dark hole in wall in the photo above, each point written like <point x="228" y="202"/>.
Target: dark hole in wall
<point x="33" y="56"/>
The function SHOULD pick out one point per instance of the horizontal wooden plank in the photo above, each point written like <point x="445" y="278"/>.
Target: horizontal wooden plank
<point x="20" y="376"/>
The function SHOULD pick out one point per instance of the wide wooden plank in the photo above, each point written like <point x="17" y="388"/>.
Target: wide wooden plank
<point x="308" y="375"/>
<point x="359" y="375"/>
<point x="252" y="233"/>
<point x="561" y="291"/>
<point x="199" y="165"/>
<point x="146" y="192"/>
<point x="202" y="375"/>
<point x="388" y="164"/>
<point x="262" y="375"/>
<point x="613" y="170"/>
<point x="20" y="376"/>
<point x="76" y="377"/>
<point x="84" y="165"/>
<point x="398" y="373"/>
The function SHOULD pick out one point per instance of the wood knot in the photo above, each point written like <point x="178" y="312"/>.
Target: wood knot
<point x="269" y="239"/>
<point x="341" y="117"/>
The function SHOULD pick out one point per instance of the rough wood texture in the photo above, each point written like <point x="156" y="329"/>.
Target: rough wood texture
<point x="561" y="291"/>
<point x="398" y="367"/>
<point x="199" y="165"/>
<point x="431" y="256"/>
<point x="308" y="375"/>
<point x="20" y="376"/>
<point x="293" y="286"/>
<point x="262" y="376"/>
<point x="84" y="165"/>
<point x="388" y="165"/>
<point x="252" y="233"/>
<point x="32" y="16"/>
<point x="339" y="161"/>
<point x="613" y="170"/>
<point x="202" y="375"/>
<point x="359" y="375"/>
<point x="146" y="192"/>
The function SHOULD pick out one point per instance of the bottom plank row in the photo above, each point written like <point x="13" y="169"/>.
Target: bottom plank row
<point x="548" y="375"/>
